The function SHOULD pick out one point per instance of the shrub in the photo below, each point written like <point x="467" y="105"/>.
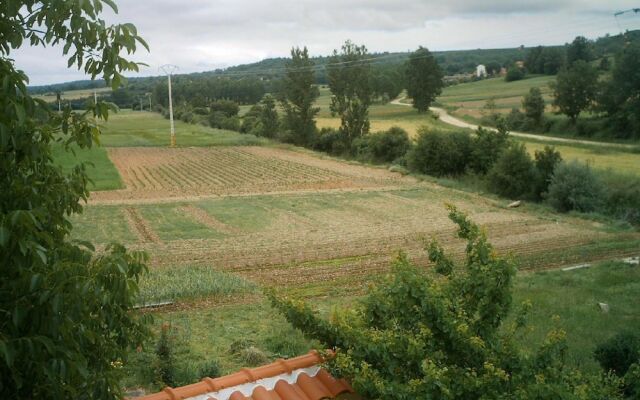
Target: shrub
<point x="573" y="186"/>
<point x="227" y="107"/>
<point x="253" y="356"/>
<point x="165" y="363"/>
<point x="330" y="141"/>
<point x="546" y="162"/>
<point x="251" y="118"/>
<point x="446" y="333"/>
<point x="487" y="146"/>
<point x="200" y="110"/>
<point x="514" y="73"/>
<point x="231" y="123"/>
<point x="238" y="345"/>
<point x="517" y="120"/>
<point x="622" y="197"/>
<point x="489" y="112"/>
<point x="533" y="105"/>
<point x="218" y="119"/>
<point x="286" y="343"/>
<point x="209" y="369"/>
<point x="513" y="173"/>
<point x="383" y="147"/>
<point x="440" y="153"/>
<point x="619" y="352"/>
<point x="187" y="117"/>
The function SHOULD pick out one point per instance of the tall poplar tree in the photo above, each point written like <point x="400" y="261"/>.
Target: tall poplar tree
<point x="349" y="80"/>
<point x="298" y="96"/>
<point x="423" y="79"/>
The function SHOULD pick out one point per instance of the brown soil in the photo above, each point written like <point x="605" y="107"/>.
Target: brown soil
<point x="139" y="226"/>
<point x="160" y="174"/>
<point x="203" y="217"/>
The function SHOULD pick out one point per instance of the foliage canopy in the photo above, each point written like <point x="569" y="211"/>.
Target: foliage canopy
<point x="349" y="73"/>
<point x="66" y="327"/>
<point x="423" y="78"/>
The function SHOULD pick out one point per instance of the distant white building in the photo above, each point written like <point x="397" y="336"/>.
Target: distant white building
<point x="481" y="71"/>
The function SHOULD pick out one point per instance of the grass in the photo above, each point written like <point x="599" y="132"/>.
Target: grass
<point x="573" y="296"/>
<point x="602" y="158"/>
<point x="102" y="224"/>
<point x="140" y="128"/>
<point x="170" y="222"/>
<point x="216" y="333"/>
<point x="74" y="94"/>
<point x="473" y="95"/>
<point x="193" y="282"/>
<point x="382" y="117"/>
<point x="202" y="335"/>
<point x="101" y="171"/>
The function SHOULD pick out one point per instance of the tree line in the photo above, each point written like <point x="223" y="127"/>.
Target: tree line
<point x="603" y="88"/>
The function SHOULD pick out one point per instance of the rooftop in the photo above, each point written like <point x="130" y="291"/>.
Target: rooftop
<point x="299" y="378"/>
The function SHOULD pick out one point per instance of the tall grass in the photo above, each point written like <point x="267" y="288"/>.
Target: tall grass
<point x="191" y="282"/>
<point x="573" y="296"/>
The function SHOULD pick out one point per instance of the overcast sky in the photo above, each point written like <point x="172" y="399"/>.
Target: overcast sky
<point x="200" y="35"/>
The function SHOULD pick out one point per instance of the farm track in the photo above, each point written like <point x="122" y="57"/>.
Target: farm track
<point x="139" y="226"/>
<point x="451" y="120"/>
<point x="201" y="216"/>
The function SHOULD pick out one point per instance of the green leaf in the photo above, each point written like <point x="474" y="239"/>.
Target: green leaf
<point x="17" y="316"/>
<point x="7" y="353"/>
<point x="4" y="236"/>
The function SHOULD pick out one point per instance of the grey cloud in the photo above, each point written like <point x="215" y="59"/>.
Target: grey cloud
<point x="205" y="34"/>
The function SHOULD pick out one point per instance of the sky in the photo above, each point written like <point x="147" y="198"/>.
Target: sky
<point x="201" y="35"/>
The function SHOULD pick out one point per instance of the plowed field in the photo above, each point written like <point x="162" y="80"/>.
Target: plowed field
<point x="151" y="174"/>
<point x="296" y="220"/>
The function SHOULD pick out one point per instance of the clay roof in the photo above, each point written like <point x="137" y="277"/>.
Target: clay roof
<point x="299" y="378"/>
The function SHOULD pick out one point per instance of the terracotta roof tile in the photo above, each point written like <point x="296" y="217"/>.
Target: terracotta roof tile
<point x="299" y="378"/>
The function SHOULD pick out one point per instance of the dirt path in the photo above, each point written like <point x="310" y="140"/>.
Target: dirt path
<point x="451" y="120"/>
<point x="139" y="226"/>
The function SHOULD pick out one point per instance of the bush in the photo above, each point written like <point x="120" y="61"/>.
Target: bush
<point x="200" y="110"/>
<point x="251" y="118"/>
<point x="440" y="153"/>
<point x="253" y="356"/>
<point x="218" y="119"/>
<point x="487" y="146"/>
<point x="619" y="352"/>
<point x="165" y="363"/>
<point x="209" y="369"/>
<point x="512" y="174"/>
<point x="622" y="197"/>
<point x="286" y="343"/>
<point x="517" y="120"/>
<point x="187" y="117"/>
<point x="573" y="186"/>
<point x="514" y="73"/>
<point x="330" y="141"/>
<point x="227" y="107"/>
<point x="383" y="147"/>
<point x="546" y="162"/>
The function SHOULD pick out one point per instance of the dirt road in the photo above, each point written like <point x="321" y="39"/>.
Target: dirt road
<point x="451" y="120"/>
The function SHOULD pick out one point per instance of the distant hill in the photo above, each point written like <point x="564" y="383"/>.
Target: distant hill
<point x="453" y="62"/>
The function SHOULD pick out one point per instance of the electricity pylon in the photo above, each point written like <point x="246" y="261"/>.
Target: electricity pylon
<point x="169" y="69"/>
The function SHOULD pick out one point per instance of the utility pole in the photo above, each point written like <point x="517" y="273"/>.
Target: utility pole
<point x="95" y="97"/>
<point x="149" y="96"/>
<point x="169" y="70"/>
<point x="141" y="109"/>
